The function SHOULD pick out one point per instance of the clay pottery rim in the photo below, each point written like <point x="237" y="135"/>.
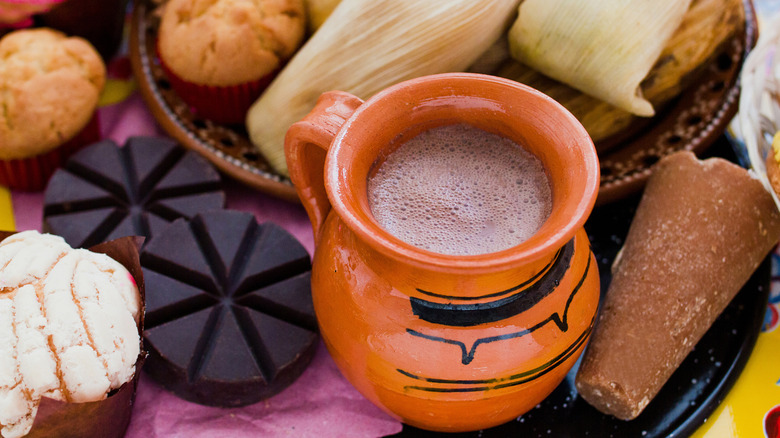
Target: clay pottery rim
<point x="571" y="205"/>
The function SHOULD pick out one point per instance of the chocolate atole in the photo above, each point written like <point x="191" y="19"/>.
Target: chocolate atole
<point x="460" y="190"/>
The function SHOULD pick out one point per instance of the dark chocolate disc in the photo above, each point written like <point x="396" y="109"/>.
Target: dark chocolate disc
<point x="229" y="315"/>
<point x="105" y="192"/>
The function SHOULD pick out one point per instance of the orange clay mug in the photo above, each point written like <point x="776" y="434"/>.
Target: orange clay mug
<point x="443" y="342"/>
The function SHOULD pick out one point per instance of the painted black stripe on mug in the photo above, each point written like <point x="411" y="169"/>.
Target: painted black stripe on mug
<point x="501" y="293"/>
<point x="560" y="320"/>
<point x="465" y="315"/>
<point x="496" y="380"/>
<point x="515" y="380"/>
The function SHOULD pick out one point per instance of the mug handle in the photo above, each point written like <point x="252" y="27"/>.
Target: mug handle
<point x="306" y="164"/>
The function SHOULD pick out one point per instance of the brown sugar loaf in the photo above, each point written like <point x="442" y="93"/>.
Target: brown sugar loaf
<point x="229" y="42"/>
<point x="700" y="231"/>
<point x="49" y="89"/>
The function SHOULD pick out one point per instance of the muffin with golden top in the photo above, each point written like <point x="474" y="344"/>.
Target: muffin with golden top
<point x="221" y="54"/>
<point x="49" y="90"/>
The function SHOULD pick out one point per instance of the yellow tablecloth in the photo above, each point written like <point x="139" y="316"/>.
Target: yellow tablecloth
<point x="6" y="212"/>
<point x="752" y="407"/>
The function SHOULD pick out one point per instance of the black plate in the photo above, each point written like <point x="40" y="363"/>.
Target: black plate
<point x="693" y="391"/>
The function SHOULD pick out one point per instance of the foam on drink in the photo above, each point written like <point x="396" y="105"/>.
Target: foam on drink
<point x="460" y="190"/>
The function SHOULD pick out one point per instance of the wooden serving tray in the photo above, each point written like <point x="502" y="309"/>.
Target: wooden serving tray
<point x="692" y="122"/>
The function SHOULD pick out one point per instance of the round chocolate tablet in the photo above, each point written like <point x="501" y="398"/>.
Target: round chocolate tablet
<point x="105" y="192"/>
<point x="229" y="314"/>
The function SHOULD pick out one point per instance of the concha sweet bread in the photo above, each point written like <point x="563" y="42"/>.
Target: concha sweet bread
<point x="68" y="326"/>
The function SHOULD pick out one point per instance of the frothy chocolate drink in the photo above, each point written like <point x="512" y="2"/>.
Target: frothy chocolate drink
<point x="460" y="190"/>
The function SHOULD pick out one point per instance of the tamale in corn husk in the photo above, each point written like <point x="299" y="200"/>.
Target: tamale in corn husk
<point x="367" y="45"/>
<point x="602" y="48"/>
<point x="706" y="26"/>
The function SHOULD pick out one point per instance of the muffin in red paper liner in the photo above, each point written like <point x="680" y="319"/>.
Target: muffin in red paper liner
<point x="221" y="54"/>
<point x="31" y="174"/>
<point x="70" y="344"/>
<point x="50" y="85"/>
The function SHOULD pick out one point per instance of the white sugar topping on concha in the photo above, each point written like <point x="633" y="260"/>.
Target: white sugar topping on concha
<point x="68" y="326"/>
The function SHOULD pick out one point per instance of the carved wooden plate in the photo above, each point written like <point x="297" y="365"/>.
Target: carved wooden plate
<point x="692" y="122"/>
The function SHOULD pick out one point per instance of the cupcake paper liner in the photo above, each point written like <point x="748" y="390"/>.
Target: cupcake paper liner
<point x="110" y="417"/>
<point x="31" y="174"/>
<point x="226" y="105"/>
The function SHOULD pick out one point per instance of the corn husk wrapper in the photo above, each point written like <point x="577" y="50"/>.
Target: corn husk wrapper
<point x="706" y="26"/>
<point x="367" y="45"/>
<point x="599" y="118"/>
<point x="602" y="48"/>
<point x="110" y="417"/>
